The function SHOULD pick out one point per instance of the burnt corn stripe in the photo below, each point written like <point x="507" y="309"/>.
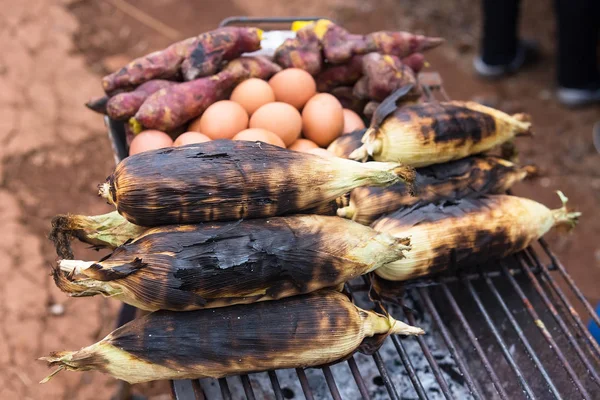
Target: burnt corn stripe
<point x="441" y="123"/>
<point x="96" y="271"/>
<point x="232" y="180"/>
<point x="347" y="143"/>
<point x="213" y="264"/>
<point x="265" y="331"/>
<point x="463" y="247"/>
<point x="487" y="245"/>
<point x="464" y="178"/>
<point x="251" y="258"/>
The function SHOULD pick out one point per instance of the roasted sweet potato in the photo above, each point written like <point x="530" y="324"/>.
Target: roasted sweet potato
<point x="220" y="45"/>
<point x="339" y="45"/>
<point x="415" y="61"/>
<point x="382" y="75"/>
<point x="171" y="107"/>
<point x="162" y="64"/>
<point x="400" y="44"/>
<point x="303" y="52"/>
<point x="340" y="75"/>
<point x="203" y="54"/>
<point x="124" y="105"/>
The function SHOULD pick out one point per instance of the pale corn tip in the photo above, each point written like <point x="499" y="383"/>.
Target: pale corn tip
<point x="56" y="371"/>
<point x="346" y="212"/>
<point x="74" y="266"/>
<point x="374" y="146"/>
<point x="401" y="328"/>
<point x="359" y="154"/>
<point x="563" y="199"/>
<point x="104" y="192"/>
<point x="564" y="217"/>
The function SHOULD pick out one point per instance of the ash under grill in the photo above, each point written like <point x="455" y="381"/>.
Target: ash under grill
<point x="505" y="330"/>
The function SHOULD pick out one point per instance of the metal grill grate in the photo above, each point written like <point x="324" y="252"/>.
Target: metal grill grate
<point x="521" y="293"/>
<point x="509" y="328"/>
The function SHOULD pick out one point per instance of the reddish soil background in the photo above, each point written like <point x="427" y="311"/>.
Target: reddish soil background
<point x="54" y="151"/>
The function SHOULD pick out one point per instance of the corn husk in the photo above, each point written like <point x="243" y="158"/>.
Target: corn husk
<point x="432" y="133"/>
<point x="303" y="331"/>
<point x="112" y="230"/>
<point x="209" y="265"/>
<point x="227" y="180"/>
<point x="465" y="178"/>
<point x="106" y="230"/>
<point x="467" y="232"/>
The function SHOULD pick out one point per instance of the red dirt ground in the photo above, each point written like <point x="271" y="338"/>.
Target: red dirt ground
<point x="54" y="151"/>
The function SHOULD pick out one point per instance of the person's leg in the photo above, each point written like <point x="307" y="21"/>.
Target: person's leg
<point x="500" y="31"/>
<point x="577" y="56"/>
<point x="502" y="52"/>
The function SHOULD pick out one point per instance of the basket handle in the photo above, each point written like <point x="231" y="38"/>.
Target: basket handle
<point x="265" y="20"/>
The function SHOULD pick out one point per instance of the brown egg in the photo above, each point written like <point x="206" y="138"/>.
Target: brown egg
<point x="189" y="138"/>
<point x="352" y="121"/>
<point x="149" y="140"/>
<point x="293" y="86"/>
<point x="280" y="118"/>
<point x="222" y="120"/>
<point x="303" y="145"/>
<point x="322" y="119"/>
<point x="261" y="135"/>
<point x="252" y="94"/>
<point x="321" y="152"/>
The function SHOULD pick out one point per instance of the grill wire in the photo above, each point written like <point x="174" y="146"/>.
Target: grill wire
<point x="552" y="354"/>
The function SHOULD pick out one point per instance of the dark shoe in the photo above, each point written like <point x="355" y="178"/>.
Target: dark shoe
<point x="527" y="54"/>
<point x="578" y="97"/>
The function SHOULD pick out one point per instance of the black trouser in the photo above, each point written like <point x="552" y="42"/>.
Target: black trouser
<point x="578" y="30"/>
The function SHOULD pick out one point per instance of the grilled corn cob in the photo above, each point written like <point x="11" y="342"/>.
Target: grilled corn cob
<point x="431" y="133"/>
<point x="468" y="177"/>
<point x="112" y="229"/>
<point x="303" y="331"/>
<point x="186" y="267"/>
<point x="227" y="180"/>
<point x="467" y="232"/>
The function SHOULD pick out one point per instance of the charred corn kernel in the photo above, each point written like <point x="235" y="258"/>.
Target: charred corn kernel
<point x="302" y="331"/>
<point x="187" y="267"/>
<point x="344" y="145"/>
<point x="112" y="230"/>
<point x="467" y="232"/>
<point x="228" y="180"/>
<point x="107" y="230"/>
<point x="432" y="133"/>
<point x="468" y="177"/>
